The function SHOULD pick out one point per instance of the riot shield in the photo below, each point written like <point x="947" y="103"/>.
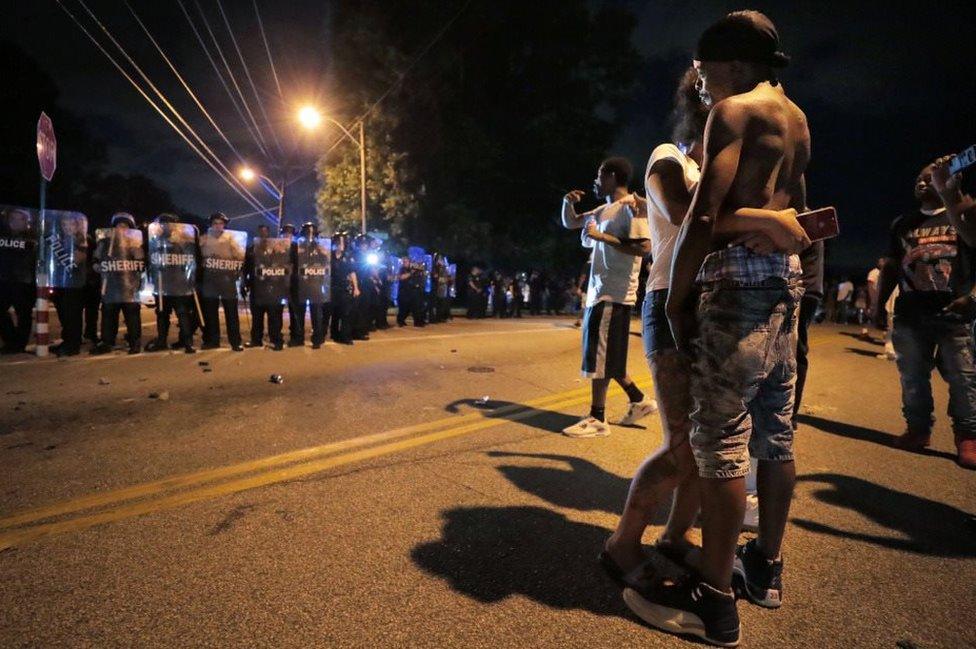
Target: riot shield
<point x="65" y="249"/>
<point x="452" y="273"/>
<point x="396" y="265"/>
<point x="173" y="258"/>
<point x="120" y="261"/>
<point x="222" y="263"/>
<point x="18" y="245"/>
<point x="313" y="265"/>
<point x="272" y="271"/>
<point x="428" y="272"/>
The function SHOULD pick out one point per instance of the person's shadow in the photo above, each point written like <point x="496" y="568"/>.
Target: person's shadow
<point x="862" y="352"/>
<point x="490" y="553"/>
<point x="580" y="485"/>
<point x="548" y="420"/>
<point x="864" y="434"/>
<point x="923" y="526"/>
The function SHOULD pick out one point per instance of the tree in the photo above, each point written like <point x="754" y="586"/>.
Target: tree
<point x="513" y="106"/>
<point x="391" y="192"/>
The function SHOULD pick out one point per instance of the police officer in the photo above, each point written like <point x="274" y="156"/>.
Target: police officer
<point x="69" y="267"/>
<point x="345" y="289"/>
<point x="18" y="263"/>
<point x="267" y="276"/>
<point x="120" y="261"/>
<point x="219" y="278"/>
<point x="171" y="298"/>
<point x="309" y="289"/>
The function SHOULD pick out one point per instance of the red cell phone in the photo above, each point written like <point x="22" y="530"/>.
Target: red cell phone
<point x="819" y="224"/>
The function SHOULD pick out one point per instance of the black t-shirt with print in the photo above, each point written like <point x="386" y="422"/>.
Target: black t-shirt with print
<point x="935" y="266"/>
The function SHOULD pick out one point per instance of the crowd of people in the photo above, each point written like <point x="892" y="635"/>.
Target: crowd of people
<point x="502" y="294"/>
<point x="735" y="280"/>
<point x="344" y="287"/>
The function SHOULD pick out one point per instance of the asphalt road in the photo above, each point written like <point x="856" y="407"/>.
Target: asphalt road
<point x="372" y="500"/>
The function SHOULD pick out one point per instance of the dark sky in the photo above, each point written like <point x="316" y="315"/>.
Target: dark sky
<point x="886" y="86"/>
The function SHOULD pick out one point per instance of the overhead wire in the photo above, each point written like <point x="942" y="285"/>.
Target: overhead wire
<point x="182" y="81"/>
<point x="220" y="76"/>
<point x="267" y="48"/>
<point x="248" y="199"/>
<point x="230" y="73"/>
<point x="250" y="79"/>
<point x="176" y="113"/>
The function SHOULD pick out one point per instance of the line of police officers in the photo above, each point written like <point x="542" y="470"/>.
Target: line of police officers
<point x="344" y="286"/>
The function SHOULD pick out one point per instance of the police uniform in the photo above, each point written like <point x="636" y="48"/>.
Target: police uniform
<point x="218" y="290"/>
<point x="308" y="293"/>
<point x="18" y="263"/>
<point x="69" y="267"/>
<point x="262" y="308"/>
<point x="170" y="301"/>
<point x="342" y="292"/>
<point x="119" y="286"/>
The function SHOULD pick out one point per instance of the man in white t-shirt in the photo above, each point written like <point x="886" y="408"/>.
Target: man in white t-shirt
<point x="619" y="238"/>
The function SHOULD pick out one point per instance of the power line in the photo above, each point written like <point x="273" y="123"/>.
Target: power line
<point x="247" y="73"/>
<point x="257" y="130"/>
<point x="182" y="81"/>
<point x="267" y="49"/>
<point x="164" y="99"/>
<point x="220" y="76"/>
<point x="248" y="199"/>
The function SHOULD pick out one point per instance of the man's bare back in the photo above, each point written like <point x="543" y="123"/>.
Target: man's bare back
<point x="774" y="154"/>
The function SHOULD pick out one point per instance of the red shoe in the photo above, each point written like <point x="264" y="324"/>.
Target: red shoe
<point x="966" y="449"/>
<point x="913" y="441"/>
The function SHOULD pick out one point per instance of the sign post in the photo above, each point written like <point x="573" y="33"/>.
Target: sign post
<point x="47" y="155"/>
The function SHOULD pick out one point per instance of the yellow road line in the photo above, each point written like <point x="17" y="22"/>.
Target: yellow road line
<point x="20" y="536"/>
<point x="302" y="455"/>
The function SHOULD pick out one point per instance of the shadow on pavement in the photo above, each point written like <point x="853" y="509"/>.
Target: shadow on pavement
<point x="865" y="339"/>
<point x="924" y="526"/>
<point x="491" y="553"/>
<point x="864" y="434"/>
<point x="862" y="352"/>
<point x="549" y="420"/>
<point x="579" y="485"/>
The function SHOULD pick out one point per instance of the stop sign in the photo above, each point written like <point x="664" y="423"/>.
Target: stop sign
<point x="47" y="147"/>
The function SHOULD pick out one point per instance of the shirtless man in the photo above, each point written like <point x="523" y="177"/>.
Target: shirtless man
<point x="735" y="307"/>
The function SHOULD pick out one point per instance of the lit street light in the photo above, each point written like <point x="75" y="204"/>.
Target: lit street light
<point x="248" y="175"/>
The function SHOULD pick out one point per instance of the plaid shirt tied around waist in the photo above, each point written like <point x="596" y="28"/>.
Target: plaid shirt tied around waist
<point x="741" y="265"/>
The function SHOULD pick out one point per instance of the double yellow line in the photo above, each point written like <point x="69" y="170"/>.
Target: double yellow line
<point x="95" y="509"/>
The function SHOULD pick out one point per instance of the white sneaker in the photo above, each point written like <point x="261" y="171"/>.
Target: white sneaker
<point x="587" y="427"/>
<point x="751" y="520"/>
<point x="638" y="411"/>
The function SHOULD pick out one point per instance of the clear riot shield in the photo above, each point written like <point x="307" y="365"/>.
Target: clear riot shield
<point x="120" y="260"/>
<point x="272" y="271"/>
<point x="222" y="263"/>
<point x="313" y="266"/>
<point x="428" y="272"/>
<point x="65" y="249"/>
<point x="18" y="245"/>
<point x="173" y="258"/>
<point x="396" y="265"/>
<point x="452" y="273"/>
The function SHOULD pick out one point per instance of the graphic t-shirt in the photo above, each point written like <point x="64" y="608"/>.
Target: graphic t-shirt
<point x="935" y="265"/>
<point x="613" y="274"/>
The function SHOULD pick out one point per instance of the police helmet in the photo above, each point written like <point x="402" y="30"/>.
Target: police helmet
<point x="123" y="217"/>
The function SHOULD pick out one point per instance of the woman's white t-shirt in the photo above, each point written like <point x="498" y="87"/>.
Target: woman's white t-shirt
<point x="663" y="232"/>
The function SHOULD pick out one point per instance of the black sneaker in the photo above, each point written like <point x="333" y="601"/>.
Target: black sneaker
<point x="237" y="348"/>
<point x="688" y="606"/>
<point x="101" y="348"/>
<point x="756" y="577"/>
<point x="156" y="346"/>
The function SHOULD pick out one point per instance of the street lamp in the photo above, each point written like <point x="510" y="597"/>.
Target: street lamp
<point x="248" y="175"/>
<point x="310" y="118"/>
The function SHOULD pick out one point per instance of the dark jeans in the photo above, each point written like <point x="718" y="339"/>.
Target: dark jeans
<point x="184" y="308"/>
<point x="92" y="302"/>
<point x="808" y="309"/>
<point x="413" y="306"/>
<point x="69" y="303"/>
<point x="297" y="326"/>
<point x="131" y="311"/>
<point x="341" y="326"/>
<point x="924" y="344"/>
<point x="20" y="296"/>
<point x="274" y="314"/>
<point x="211" y="320"/>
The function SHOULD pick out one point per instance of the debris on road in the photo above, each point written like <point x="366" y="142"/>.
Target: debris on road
<point x="203" y="363"/>
<point x="103" y="381"/>
<point x="277" y="379"/>
<point x="161" y="396"/>
<point x="481" y="369"/>
<point x="207" y="369"/>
